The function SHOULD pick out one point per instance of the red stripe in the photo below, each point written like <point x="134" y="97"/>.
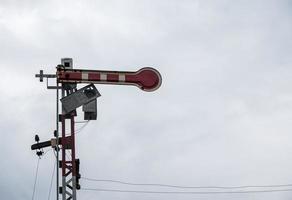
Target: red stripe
<point x="113" y="77"/>
<point x="94" y="76"/>
<point x="70" y="76"/>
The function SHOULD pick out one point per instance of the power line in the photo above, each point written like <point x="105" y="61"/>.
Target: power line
<point x="35" y="179"/>
<point x="51" y="182"/>
<point x="82" y="127"/>
<point x="187" y="187"/>
<point x="47" y="151"/>
<point x="67" y="156"/>
<point x="81" y="122"/>
<point x="175" y="192"/>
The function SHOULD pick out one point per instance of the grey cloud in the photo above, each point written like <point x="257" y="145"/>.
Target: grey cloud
<point x="221" y="117"/>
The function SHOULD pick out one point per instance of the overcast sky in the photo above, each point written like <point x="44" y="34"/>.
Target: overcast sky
<point x="222" y="116"/>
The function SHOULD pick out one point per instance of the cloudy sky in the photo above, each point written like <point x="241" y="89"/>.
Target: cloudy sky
<point x="222" y="116"/>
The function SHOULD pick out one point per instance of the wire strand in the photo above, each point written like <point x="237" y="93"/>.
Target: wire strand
<point x="174" y="192"/>
<point x="67" y="156"/>
<point x="81" y="122"/>
<point x="187" y="187"/>
<point x="51" y="183"/>
<point x="47" y="151"/>
<point x="35" y="179"/>
<point x="82" y="127"/>
<point x="79" y="129"/>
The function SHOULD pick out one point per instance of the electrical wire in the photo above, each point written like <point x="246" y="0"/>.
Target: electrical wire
<point x="35" y="179"/>
<point x="79" y="129"/>
<point x="81" y="122"/>
<point x="47" y="151"/>
<point x="187" y="187"/>
<point x="67" y="156"/>
<point x="51" y="183"/>
<point x="197" y="192"/>
<point x="82" y="127"/>
<point x="55" y="154"/>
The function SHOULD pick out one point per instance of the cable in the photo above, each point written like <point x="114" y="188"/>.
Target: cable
<point x="81" y="122"/>
<point x="55" y="153"/>
<point x="173" y="192"/>
<point x="35" y="179"/>
<point x="67" y="156"/>
<point x="50" y="189"/>
<point x="82" y="127"/>
<point x="47" y="151"/>
<point x="187" y="187"/>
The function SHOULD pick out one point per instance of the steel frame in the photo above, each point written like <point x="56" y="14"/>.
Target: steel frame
<point x="68" y="163"/>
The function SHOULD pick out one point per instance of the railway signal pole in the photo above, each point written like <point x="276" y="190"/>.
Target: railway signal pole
<point x="147" y="79"/>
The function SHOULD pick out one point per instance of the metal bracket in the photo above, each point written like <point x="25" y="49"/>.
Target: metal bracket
<point x="52" y="87"/>
<point x="41" y="75"/>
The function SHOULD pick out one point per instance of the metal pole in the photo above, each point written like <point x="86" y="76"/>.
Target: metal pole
<point x="63" y="119"/>
<point x="64" y="184"/>
<point x="74" y="175"/>
<point x="57" y="138"/>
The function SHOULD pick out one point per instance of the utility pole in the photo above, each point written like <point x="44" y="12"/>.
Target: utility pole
<point x="147" y="79"/>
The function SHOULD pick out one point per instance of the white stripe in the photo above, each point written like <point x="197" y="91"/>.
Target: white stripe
<point x="122" y="77"/>
<point x="103" y="77"/>
<point x="84" y="76"/>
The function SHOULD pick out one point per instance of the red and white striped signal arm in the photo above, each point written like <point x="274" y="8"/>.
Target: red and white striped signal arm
<point x="147" y="78"/>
